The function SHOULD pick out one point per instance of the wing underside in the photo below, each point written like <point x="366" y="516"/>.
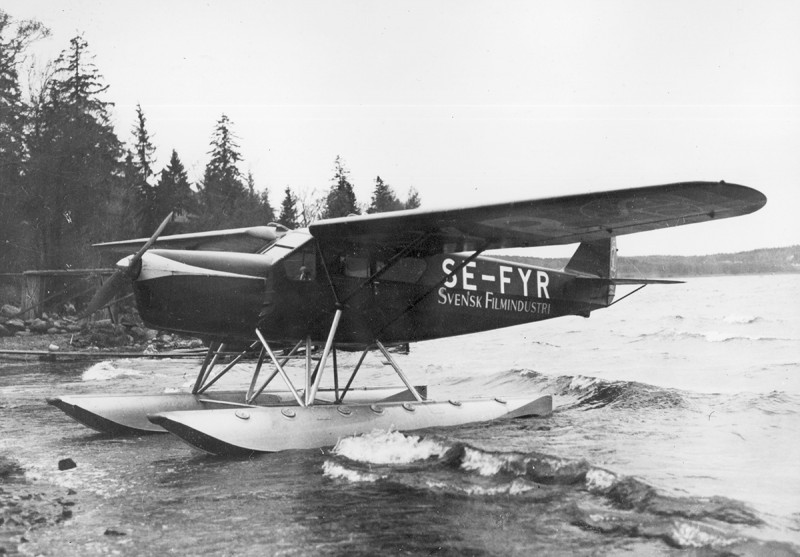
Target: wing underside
<point x="544" y="222"/>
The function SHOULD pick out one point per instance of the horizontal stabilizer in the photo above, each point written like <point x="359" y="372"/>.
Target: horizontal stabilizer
<point x="619" y="281"/>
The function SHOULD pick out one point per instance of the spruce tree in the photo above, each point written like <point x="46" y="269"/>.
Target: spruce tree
<point x="147" y="207"/>
<point x="222" y="188"/>
<point x="341" y="200"/>
<point x="15" y="37"/>
<point x="173" y="193"/>
<point x="74" y="161"/>
<point x="253" y="208"/>
<point x="413" y="200"/>
<point x="383" y="198"/>
<point x="288" y="216"/>
<point x="264" y="212"/>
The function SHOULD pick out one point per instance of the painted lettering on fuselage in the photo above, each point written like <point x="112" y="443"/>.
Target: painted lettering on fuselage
<point x="496" y="287"/>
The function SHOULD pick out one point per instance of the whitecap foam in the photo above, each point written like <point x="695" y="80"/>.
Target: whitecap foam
<point x="484" y="464"/>
<point x="599" y="480"/>
<point x="740" y="319"/>
<point x="336" y="471"/>
<point x="581" y="382"/>
<point x="109" y="369"/>
<point x="692" y="534"/>
<point x="518" y="486"/>
<point x="388" y="447"/>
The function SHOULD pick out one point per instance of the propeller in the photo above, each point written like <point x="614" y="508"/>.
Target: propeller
<point x="108" y="291"/>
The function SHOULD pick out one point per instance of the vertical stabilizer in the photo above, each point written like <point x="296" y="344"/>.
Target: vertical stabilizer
<point x="597" y="258"/>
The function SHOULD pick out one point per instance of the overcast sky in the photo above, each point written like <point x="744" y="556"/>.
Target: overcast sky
<point x="467" y="101"/>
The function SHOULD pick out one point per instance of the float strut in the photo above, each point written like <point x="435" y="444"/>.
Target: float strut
<point x="397" y="369"/>
<point x="325" y="353"/>
<point x="280" y="368"/>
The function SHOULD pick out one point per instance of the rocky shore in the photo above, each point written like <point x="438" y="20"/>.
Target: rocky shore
<point x="24" y="506"/>
<point x="54" y="333"/>
<point x="24" y="509"/>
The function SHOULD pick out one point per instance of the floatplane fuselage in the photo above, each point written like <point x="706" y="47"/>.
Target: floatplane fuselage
<point x="365" y="284"/>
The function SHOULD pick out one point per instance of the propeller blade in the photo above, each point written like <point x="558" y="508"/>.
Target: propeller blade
<point x="110" y="288"/>
<point x="107" y="292"/>
<point x="149" y="243"/>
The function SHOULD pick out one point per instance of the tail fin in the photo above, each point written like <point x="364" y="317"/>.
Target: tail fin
<point x="597" y="258"/>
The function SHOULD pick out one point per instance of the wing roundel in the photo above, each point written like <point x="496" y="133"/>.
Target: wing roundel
<point x="544" y="222"/>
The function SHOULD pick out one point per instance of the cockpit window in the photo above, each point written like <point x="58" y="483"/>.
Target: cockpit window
<point x="297" y="253"/>
<point x="302" y="264"/>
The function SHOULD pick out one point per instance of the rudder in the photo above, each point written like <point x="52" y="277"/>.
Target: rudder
<point x="597" y="258"/>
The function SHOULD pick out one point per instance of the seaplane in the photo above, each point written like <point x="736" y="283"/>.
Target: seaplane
<point x="368" y="284"/>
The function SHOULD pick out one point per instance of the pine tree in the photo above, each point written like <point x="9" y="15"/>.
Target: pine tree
<point x="288" y="216"/>
<point x="383" y="198"/>
<point x="222" y="185"/>
<point x="341" y="200"/>
<point x="74" y="161"/>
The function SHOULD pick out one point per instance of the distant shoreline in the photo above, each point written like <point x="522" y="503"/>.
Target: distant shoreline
<point x="754" y="262"/>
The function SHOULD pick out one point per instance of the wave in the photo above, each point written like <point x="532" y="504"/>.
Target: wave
<point x="588" y="496"/>
<point x="741" y="319"/>
<point x="110" y="369"/>
<point x="707" y="336"/>
<point x="581" y="391"/>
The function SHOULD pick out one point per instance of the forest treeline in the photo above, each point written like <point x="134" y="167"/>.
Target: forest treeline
<point x="67" y="180"/>
<point x="760" y="261"/>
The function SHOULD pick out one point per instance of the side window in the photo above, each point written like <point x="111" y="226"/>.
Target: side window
<point x="302" y="264"/>
<point x="408" y="269"/>
<point x="356" y="266"/>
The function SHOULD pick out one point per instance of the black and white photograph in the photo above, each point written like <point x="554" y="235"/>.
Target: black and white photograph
<point x="356" y="278"/>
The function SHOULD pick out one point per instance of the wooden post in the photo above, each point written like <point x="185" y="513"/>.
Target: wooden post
<point x="32" y="294"/>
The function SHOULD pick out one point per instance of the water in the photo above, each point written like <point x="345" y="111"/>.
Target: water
<point x="675" y="431"/>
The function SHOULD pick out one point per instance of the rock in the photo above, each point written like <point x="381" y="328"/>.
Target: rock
<point x="9" y="467"/>
<point x="166" y="338"/>
<point x="53" y="348"/>
<point x="17" y="324"/>
<point x="23" y="334"/>
<point x="5" y="332"/>
<point x="102" y="324"/>
<point x="66" y="464"/>
<point x="8" y="310"/>
<point x="195" y="343"/>
<point x="39" y="325"/>
<point x="73" y="328"/>
<point x="52" y="331"/>
<point x="151" y="334"/>
<point x="45" y="316"/>
<point x="150" y="349"/>
<point x="112" y="532"/>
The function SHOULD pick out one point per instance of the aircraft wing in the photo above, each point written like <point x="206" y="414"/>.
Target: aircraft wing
<point x="243" y="240"/>
<point x="544" y="222"/>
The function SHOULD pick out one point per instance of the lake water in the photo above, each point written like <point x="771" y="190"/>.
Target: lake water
<point x="676" y="430"/>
